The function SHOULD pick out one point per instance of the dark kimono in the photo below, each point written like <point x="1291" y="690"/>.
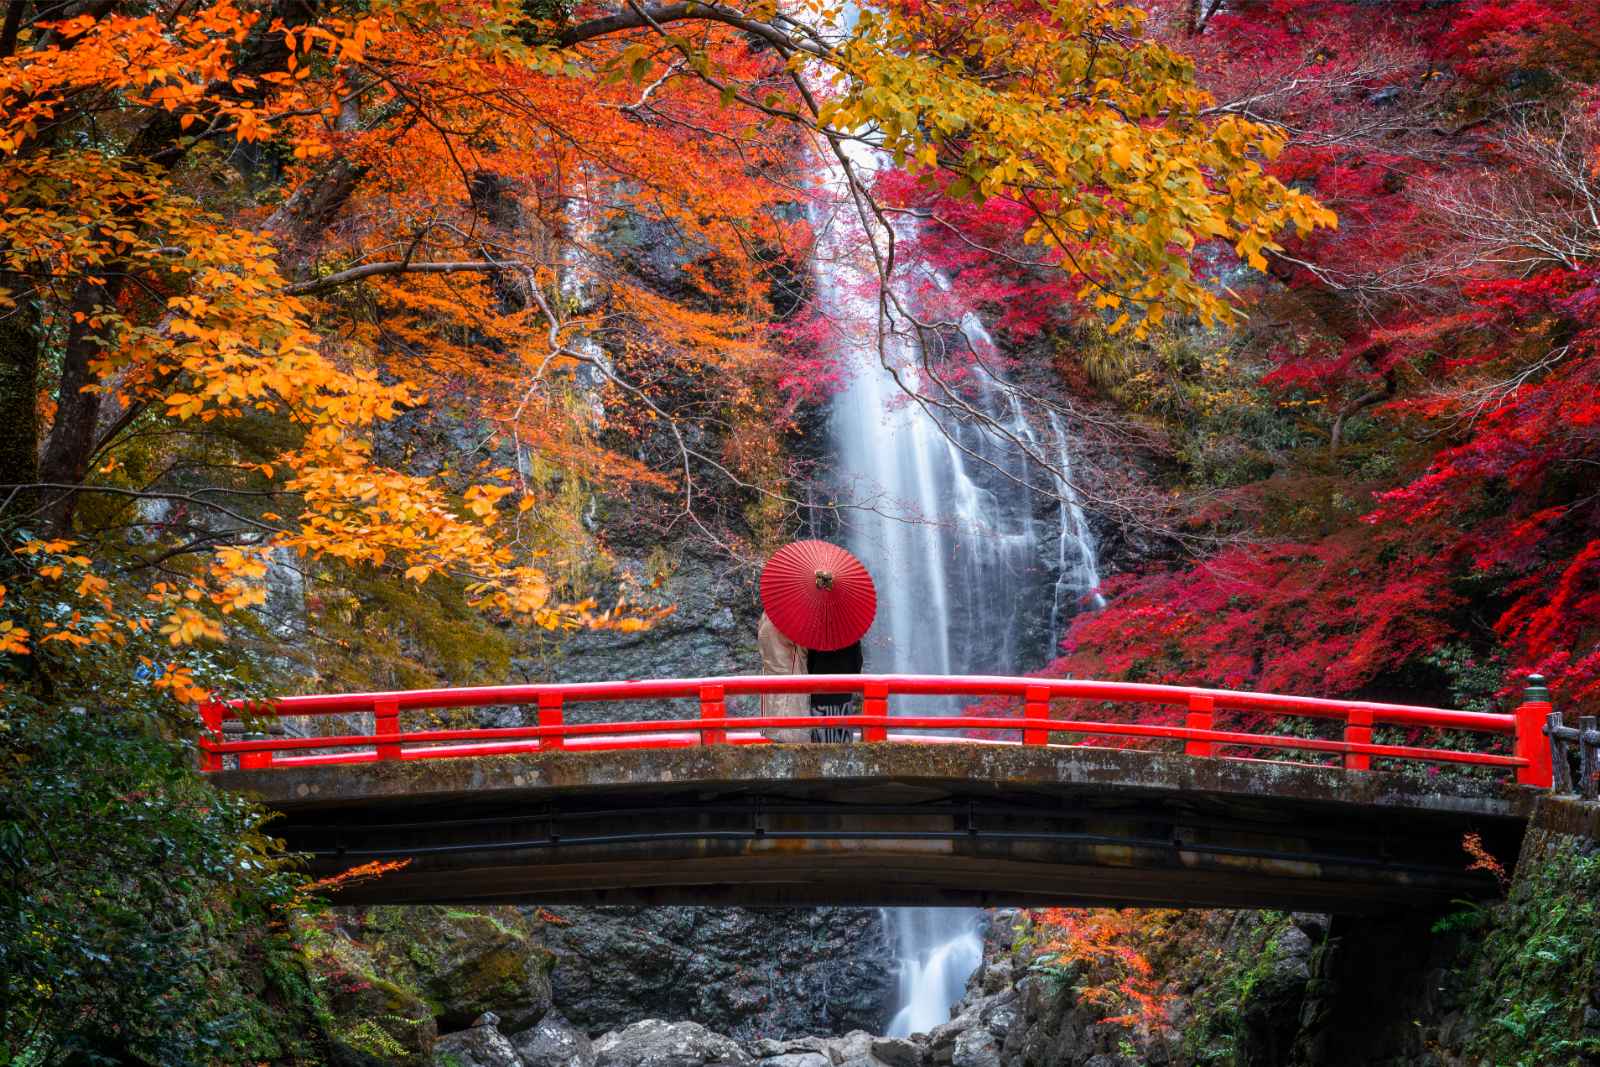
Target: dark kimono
<point x="845" y="660"/>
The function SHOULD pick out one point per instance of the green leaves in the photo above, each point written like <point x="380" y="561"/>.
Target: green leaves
<point x="142" y="893"/>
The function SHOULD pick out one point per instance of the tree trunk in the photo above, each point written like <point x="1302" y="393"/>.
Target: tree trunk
<point x="19" y="386"/>
<point x="72" y="436"/>
<point x="1200" y="12"/>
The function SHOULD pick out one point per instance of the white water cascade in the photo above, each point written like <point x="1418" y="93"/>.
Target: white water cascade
<point x="971" y="577"/>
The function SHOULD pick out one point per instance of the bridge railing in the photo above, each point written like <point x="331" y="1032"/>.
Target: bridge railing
<point x="714" y="725"/>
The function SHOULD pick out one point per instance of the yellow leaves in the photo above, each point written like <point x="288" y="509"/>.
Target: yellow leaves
<point x="13" y="638"/>
<point x="238" y="579"/>
<point x="1126" y="174"/>
<point x="522" y="593"/>
<point x="92" y="585"/>
<point x="184" y="406"/>
<point x="1250" y="246"/>
<point x="238" y="596"/>
<point x="177" y="680"/>
<point x="363" y="514"/>
<point x="480" y="500"/>
<point x="33" y="548"/>
<point x="231" y="344"/>
<point x="237" y="562"/>
<point x="187" y="625"/>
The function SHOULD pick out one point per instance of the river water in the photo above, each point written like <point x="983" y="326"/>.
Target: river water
<point x="977" y="572"/>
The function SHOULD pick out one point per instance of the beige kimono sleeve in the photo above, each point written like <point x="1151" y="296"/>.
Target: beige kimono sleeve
<point x="779" y="655"/>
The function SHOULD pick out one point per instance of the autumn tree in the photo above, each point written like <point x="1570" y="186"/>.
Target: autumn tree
<point x="1405" y="512"/>
<point x="249" y="249"/>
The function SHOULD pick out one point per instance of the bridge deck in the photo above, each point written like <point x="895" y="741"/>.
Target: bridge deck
<point x="892" y="823"/>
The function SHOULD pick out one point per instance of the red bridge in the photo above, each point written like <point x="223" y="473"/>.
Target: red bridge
<point x="1362" y="808"/>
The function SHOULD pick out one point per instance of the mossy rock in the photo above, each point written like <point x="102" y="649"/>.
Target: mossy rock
<point x="369" y="1018"/>
<point x="1536" y="979"/>
<point x="463" y="961"/>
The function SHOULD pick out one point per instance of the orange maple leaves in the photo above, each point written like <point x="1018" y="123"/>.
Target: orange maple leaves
<point x="1113" y="974"/>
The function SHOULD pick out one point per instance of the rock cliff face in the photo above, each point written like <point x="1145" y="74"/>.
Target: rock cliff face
<point x="748" y="973"/>
<point x="712" y="630"/>
<point x="394" y="979"/>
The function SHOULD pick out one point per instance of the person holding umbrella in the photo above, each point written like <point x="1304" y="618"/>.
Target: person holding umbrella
<point x="779" y="655"/>
<point x="845" y="660"/>
<point x="822" y="599"/>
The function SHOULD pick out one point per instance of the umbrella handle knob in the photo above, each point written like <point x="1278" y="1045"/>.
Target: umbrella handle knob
<point x="824" y="579"/>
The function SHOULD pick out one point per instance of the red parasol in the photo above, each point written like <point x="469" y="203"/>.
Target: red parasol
<point x="818" y="595"/>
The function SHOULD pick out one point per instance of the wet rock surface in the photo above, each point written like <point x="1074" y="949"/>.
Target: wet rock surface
<point x="483" y="1045"/>
<point x="659" y="1043"/>
<point x="554" y="1042"/>
<point x="772" y="973"/>
<point x="654" y="1043"/>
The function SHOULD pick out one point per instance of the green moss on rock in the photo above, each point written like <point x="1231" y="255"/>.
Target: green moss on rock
<point x="462" y="961"/>
<point x="369" y="1017"/>
<point x="1536" y="978"/>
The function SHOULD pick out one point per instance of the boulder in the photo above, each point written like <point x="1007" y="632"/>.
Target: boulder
<point x="976" y="1048"/>
<point x="554" y="1042"/>
<point x="767" y="1048"/>
<point x="862" y="1061"/>
<point x="480" y="1046"/>
<point x="942" y="1038"/>
<point x="463" y="961"/>
<point x="373" y="1020"/>
<point x="654" y="1043"/>
<point x="897" y="1051"/>
<point x="796" y="1059"/>
<point x="855" y="1045"/>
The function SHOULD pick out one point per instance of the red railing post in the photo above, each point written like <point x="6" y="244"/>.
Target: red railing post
<point x="386" y="723"/>
<point x="713" y="711"/>
<point x="1201" y="716"/>
<point x="875" y="701"/>
<point x="1358" y="731"/>
<point x="1035" y="707"/>
<point x="210" y="734"/>
<point x="1532" y="744"/>
<point x="255" y="761"/>
<point x="550" y="714"/>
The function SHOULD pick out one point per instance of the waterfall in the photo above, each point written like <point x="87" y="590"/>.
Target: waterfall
<point x="951" y="532"/>
<point x="939" y="949"/>
<point x="1077" y="569"/>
